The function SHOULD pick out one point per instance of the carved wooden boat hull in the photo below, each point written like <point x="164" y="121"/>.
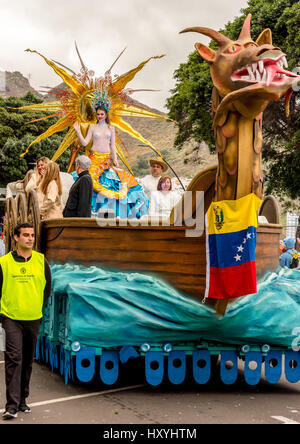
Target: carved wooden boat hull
<point x="161" y="251"/>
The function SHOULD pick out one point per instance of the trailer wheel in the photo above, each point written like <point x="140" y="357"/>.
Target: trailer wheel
<point x="21" y="205"/>
<point x="33" y="216"/>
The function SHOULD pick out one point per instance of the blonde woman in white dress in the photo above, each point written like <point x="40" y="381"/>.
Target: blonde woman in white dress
<point x="49" y="193"/>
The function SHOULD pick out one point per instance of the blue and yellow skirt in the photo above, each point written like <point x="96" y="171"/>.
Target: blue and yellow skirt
<point x="116" y="189"/>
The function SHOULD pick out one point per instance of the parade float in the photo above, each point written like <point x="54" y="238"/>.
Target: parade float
<point x="125" y="290"/>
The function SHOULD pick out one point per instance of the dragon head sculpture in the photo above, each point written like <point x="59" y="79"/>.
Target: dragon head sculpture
<point x="246" y="73"/>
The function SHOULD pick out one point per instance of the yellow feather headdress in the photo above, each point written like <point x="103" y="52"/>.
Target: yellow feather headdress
<point x="75" y="104"/>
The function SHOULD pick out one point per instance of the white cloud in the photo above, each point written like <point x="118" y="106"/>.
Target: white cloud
<point x="102" y="29"/>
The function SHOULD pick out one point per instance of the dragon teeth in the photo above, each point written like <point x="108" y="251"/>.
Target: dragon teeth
<point x="264" y="77"/>
<point x="254" y="67"/>
<point x="258" y="73"/>
<point x="250" y="72"/>
<point x="284" y="61"/>
<point x="268" y="78"/>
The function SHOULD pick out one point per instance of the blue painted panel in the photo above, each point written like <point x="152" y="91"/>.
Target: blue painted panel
<point x="86" y="355"/>
<point x="154" y="367"/>
<point x="176" y="367"/>
<point x="46" y="350"/>
<point x="61" y="359"/>
<point x="229" y="375"/>
<point x="127" y="352"/>
<point x="42" y="348"/>
<point x="53" y="355"/>
<point x="273" y="366"/>
<point x="201" y="366"/>
<point x="292" y="366"/>
<point x="109" y="367"/>
<point x="67" y="366"/>
<point x="252" y="376"/>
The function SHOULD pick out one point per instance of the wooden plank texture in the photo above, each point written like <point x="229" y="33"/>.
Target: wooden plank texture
<point x="164" y="252"/>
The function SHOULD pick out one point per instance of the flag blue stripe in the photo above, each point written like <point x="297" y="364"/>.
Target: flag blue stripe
<point x="230" y="249"/>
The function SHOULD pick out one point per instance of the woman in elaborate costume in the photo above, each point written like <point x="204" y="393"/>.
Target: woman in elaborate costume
<point x="114" y="188"/>
<point x="76" y="108"/>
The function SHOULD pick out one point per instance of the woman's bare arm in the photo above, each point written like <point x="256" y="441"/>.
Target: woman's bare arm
<point x="84" y="141"/>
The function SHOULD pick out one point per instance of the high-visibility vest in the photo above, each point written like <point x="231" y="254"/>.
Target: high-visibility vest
<point x="23" y="287"/>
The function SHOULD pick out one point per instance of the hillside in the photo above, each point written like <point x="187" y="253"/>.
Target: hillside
<point x="15" y="84"/>
<point x="161" y="133"/>
<point x="192" y="158"/>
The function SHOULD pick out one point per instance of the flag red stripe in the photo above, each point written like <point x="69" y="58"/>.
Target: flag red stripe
<point x="232" y="282"/>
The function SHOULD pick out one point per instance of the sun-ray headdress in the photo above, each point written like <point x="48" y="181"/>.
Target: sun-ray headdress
<point x="77" y="103"/>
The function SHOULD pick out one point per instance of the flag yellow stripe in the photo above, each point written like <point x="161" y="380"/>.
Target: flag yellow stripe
<point x="229" y="216"/>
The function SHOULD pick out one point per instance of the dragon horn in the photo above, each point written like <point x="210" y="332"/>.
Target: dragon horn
<point x="245" y="33"/>
<point x="219" y="38"/>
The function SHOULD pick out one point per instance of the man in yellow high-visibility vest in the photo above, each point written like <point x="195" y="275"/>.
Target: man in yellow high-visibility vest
<point x="25" y="284"/>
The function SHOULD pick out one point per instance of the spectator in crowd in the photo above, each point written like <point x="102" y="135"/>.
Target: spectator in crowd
<point x="40" y="169"/>
<point x="150" y="182"/>
<point x="39" y="172"/>
<point x="18" y="186"/>
<point x="163" y="199"/>
<point x="290" y="258"/>
<point x="79" y="202"/>
<point x="282" y="247"/>
<point x="49" y="193"/>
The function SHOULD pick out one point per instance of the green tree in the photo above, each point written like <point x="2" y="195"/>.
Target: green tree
<point x="16" y="133"/>
<point x="190" y="102"/>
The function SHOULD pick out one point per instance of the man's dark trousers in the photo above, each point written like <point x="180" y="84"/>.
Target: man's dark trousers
<point x="21" y="339"/>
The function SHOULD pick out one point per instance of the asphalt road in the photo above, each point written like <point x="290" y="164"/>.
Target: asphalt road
<point x="134" y="402"/>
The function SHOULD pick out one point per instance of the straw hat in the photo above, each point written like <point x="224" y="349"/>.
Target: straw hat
<point x="160" y="162"/>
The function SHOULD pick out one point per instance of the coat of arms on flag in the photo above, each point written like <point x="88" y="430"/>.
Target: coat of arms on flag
<point x="230" y="247"/>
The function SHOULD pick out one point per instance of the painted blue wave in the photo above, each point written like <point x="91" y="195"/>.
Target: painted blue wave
<point x="108" y="309"/>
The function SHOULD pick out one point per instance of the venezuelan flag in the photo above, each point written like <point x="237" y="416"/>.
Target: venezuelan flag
<point x="230" y="247"/>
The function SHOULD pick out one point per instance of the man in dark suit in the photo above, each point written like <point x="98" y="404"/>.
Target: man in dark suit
<point x="79" y="202"/>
